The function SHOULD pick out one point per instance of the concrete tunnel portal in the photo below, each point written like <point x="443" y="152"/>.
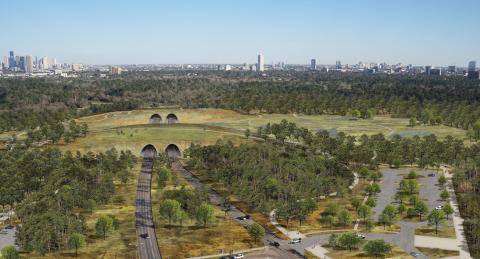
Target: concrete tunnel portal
<point x="172" y="118"/>
<point x="173" y="151"/>
<point x="155" y="119"/>
<point x="148" y="151"/>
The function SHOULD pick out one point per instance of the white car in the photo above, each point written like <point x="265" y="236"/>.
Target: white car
<point x="238" y="256"/>
<point x="295" y="241"/>
<point x="361" y="236"/>
<point x="439" y="207"/>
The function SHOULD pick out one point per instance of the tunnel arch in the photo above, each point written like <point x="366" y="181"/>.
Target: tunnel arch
<point x="173" y="151"/>
<point x="155" y="119"/>
<point x="172" y="118"/>
<point x="148" y="151"/>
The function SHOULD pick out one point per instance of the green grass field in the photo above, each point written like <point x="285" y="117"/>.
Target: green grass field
<point x="134" y="138"/>
<point x="230" y="119"/>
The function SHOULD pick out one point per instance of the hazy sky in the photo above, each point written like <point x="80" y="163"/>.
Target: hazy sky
<point x="437" y="32"/>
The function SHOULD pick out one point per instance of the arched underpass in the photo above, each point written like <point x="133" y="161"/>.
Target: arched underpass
<point x="172" y="118"/>
<point x="145" y="228"/>
<point x="173" y="151"/>
<point x="155" y="119"/>
<point x="148" y="151"/>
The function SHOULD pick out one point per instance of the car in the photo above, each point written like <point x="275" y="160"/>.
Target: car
<point x="245" y="217"/>
<point x="361" y="236"/>
<point x="238" y="256"/>
<point x="431" y="175"/>
<point x="275" y="244"/>
<point x="145" y="235"/>
<point x="414" y="254"/>
<point x="439" y="207"/>
<point x="9" y="227"/>
<point x="295" y="241"/>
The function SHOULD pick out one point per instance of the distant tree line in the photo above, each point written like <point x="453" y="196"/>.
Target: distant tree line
<point x="450" y="101"/>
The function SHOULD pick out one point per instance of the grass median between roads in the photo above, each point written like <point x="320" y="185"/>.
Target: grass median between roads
<point x="437" y="253"/>
<point x="190" y="239"/>
<point x="397" y="252"/>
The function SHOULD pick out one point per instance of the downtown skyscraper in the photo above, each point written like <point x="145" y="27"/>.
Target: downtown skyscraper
<point x="260" y="63"/>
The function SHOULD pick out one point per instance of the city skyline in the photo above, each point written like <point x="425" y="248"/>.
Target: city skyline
<point x="214" y="32"/>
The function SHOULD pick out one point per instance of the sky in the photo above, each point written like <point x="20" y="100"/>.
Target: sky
<point x="418" y="32"/>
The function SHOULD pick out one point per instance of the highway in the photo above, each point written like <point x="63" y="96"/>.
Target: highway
<point x="147" y="239"/>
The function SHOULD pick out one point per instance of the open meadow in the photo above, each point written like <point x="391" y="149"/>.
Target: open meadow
<point x="234" y="120"/>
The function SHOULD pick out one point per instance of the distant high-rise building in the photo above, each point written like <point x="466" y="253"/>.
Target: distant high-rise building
<point x="115" y="70"/>
<point x="435" y="72"/>
<point x="28" y="64"/>
<point x="21" y="63"/>
<point x="472" y="73"/>
<point x="338" y="64"/>
<point x="451" y="69"/>
<point x="428" y="69"/>
<point x="5" y="63"/>
<point x="472" y="66"/>
<point x="313" y="64"/>
<point x="261" y="63"/>
<point x="11" y="60"/>
<point x="44" y="63"/>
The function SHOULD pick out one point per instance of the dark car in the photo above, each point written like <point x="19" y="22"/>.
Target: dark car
<point x="144" y="235"/>
<point x="275" y="244"/>
<point x="414" y="254"/>
<point x="431" y="175"/>
<point x="9" y="227"/>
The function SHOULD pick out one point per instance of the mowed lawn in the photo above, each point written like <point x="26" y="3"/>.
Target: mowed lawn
<point x="231" y="119"/>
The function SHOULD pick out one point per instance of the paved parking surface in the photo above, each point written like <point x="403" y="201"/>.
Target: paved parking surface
<point x="8" y="238"/>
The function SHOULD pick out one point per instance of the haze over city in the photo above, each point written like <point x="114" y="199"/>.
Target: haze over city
<point x="438" y="33"/>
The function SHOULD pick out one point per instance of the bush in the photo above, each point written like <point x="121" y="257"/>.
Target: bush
<point x="377" y="247"/>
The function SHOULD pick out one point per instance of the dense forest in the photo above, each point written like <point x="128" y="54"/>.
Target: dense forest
<point x="51" y="191"/>
<point x="451" y="101"/>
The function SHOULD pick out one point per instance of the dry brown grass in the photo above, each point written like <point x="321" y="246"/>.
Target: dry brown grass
<point x="192" y="240"/>
<point x="397" y="253"/>
<point x="437" y="253"/>
<point x="446" y="231"/>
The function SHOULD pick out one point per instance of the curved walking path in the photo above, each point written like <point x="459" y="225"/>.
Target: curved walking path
<point x="145" y="227"/>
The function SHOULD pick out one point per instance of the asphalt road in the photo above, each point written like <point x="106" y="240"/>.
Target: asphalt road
<point x="147" y="239"/>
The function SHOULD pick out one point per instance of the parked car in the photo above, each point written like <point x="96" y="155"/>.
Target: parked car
<point x="295" y="241"/>
<point x="275" y="244"/>
<point x="431" y="175"/>
<point x="9" y="227"/>
<point x="362" y="236"/>
<point x="439" y="207"/>
<point x="238" y="256"/>
<point x="414" y="254"/>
